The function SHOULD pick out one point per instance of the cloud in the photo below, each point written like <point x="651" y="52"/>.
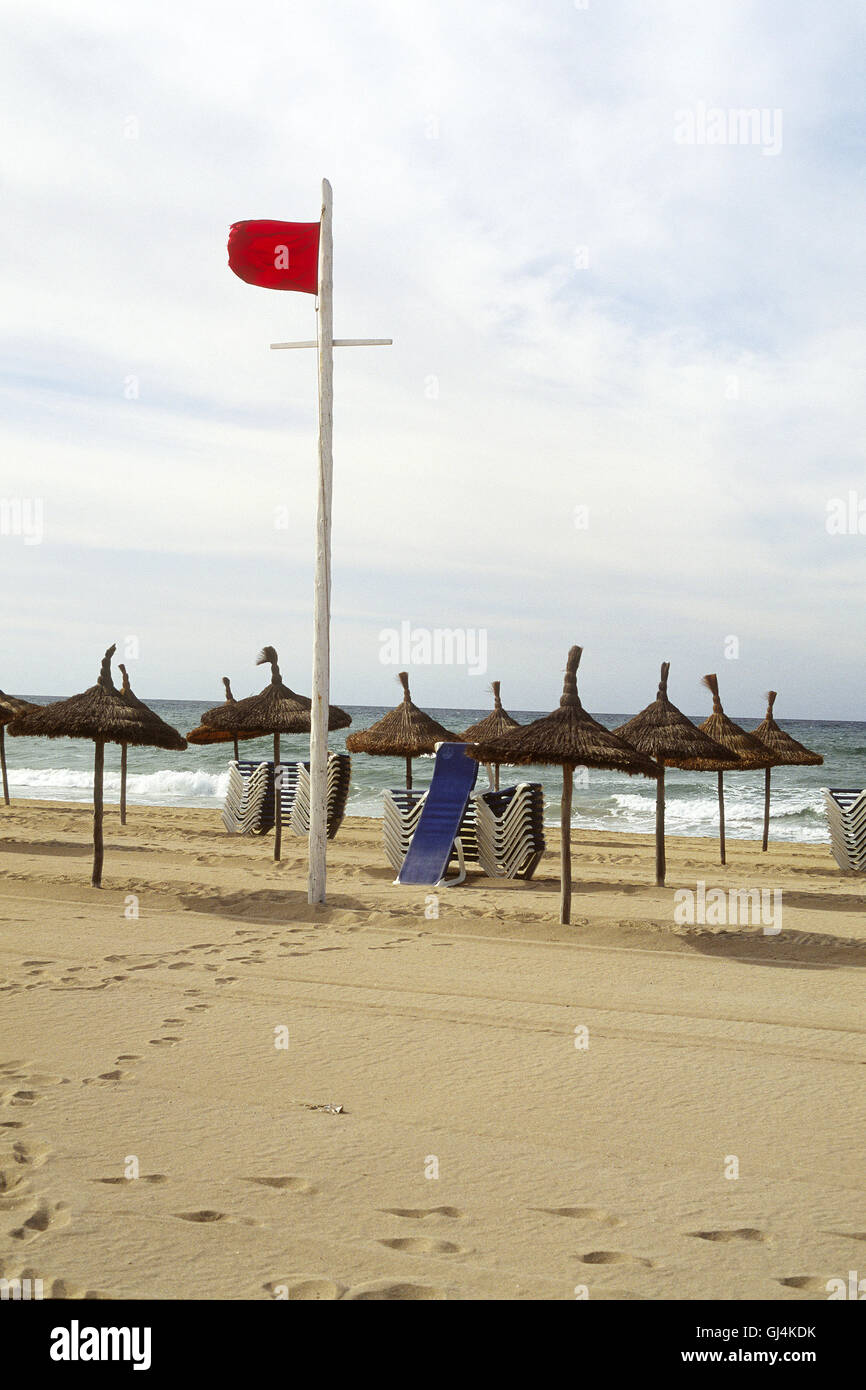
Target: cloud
<point x="585" y="314"/>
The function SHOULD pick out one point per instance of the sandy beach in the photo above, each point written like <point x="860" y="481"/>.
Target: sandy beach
<point x="634" y="1107"/>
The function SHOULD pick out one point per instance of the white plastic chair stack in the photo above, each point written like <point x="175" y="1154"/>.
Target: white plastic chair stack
<point x="245" y="797"/>
<point x="846" y="817"/>
<point x="510" y="830"/>
<point x="339" y="771"/>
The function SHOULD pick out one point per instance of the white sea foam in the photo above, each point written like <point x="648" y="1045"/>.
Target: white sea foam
<point x="160" y="787"/>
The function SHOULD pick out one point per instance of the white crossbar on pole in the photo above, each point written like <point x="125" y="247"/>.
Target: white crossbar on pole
<point x="340" y="342"/>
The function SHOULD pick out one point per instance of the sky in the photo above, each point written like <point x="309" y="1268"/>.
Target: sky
<point x="624" y="407"/>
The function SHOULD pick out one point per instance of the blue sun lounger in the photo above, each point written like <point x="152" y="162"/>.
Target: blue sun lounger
<point x="439" y="823"/>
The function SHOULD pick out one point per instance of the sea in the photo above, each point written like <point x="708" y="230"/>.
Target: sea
<point x="62" y="770"/>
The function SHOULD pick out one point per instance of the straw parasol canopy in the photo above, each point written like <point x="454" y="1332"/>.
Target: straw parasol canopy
<point x="665" y="734"/>
<point x="10" y="708"/>
<point x="568" y="738"/>
<point x="275" y="710"/>
<point x="786" y="751"/>
<point x="406" y="732"/>
<point x="104" y="715"/>
<point x="202" y="734"/>
<point x="173" y="739"/>
<point x="499" y="721"/>
<point x="749" y="752"/>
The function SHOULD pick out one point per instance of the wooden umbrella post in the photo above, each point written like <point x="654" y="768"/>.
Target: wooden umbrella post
<point x="3" y="763"/>
<point x="496" y="777"/>
<point x="278" y="800"/>
<point x="565" y="845"/>
<point x="722" y="818"/>
<point x="661" y="866"/>
<point x="98" y="766"/>
<point x="408" y="774"/>
<point x="766" y="808"/>
<point x="123" y="784"/>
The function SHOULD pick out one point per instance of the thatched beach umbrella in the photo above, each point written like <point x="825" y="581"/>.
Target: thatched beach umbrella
<point x="406" y="732"/>
<point x="499" y="721"/>
<point x="665" y="734"/>
<point x="10" y="708"/>
<point x="786" y="751"/>
<point x="276" y="710"/>
<point x="104" y="715"/>
<point x="749" y="753"/>
<point x="202" y="734"/>
<point x="171" y="738"/>
<point x="567" y="738"/>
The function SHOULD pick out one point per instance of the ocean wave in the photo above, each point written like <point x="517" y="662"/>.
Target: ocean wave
<point x="165" y="782"/>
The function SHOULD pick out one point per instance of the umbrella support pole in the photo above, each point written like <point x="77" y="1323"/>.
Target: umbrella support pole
<point x="565" y="845"/>
<point x="3" y="764"/>
<point x="123" y="784"/>
<point x="408" y="774"/>
<point x="721" y="818"/>
<point x="278" y="800"/>
<point x="496" y="777"/>
<point x="661" y="866"/>
<point x="98" y="766"/>
<point x="766" y="809"/>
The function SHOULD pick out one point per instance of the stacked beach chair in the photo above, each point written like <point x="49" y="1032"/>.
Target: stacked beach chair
<point x="339" y="776"/>
<point x="401" y="815"/>
<point x="501" y="833"/>
<point x="248" y="788"/>
<point x="846" y="817"/>
<point x="510" y="830"/>
<point x="250" y="800"/>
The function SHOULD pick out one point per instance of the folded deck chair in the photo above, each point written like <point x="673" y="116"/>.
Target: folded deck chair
<point x="401" y="811"/>
<point x="339" y="778"/>
<point x="289" y="774"/>
<point x="846" y="817"/>
<point x="439" y="822"/>
<point x="245" y="797"/>
<point x="510" y="830"/>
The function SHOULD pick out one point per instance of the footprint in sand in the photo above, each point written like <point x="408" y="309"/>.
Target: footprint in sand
<point x="129" y="1057"/>
<point x="202" y="1217"/>
<point x="33" y="1152"/>
<point x="597" y="1214"/>
<point x="306" y="1290"/>
<point x="424" y="1245"/>
<point x="43" y="1219"/>
<point x="422" y="1213"/>
<point x="286" y="1184"/>
<point x="117" y="1075"/>
<point x="402" y="1293"/>
<point x="809" y="1283"/>
<point x="226" y="980"/>
<point x="749" y="1233"/>
<point x="163" y="1042"/>
<point x="614" y="1257"/>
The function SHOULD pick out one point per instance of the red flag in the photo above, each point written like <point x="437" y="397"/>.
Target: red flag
<point x="276" y="255"/>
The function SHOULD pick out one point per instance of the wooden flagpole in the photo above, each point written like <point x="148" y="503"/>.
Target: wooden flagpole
<point x="322" y="593"/>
